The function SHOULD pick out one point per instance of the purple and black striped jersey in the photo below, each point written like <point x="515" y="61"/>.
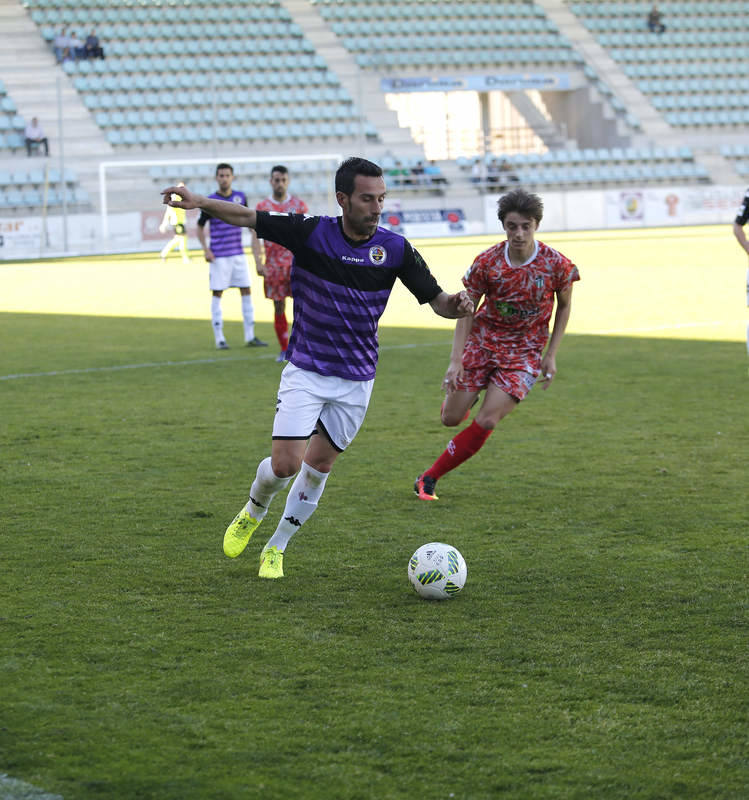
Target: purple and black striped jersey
<point x="742" y="216"/>
<point x="226" y="239"/>
<point x="340" y="289"/>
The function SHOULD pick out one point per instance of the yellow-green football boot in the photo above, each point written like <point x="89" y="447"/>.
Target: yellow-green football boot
<point x="271" y="563"/>
<point x="239" y="533"/>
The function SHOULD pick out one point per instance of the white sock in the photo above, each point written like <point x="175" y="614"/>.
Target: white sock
<point x="217" y="319"/>
<point x="264" y="488"/>
<point x="166" y="248"/>
<point x="248" y="315"/>
<point x="300" y="504"/>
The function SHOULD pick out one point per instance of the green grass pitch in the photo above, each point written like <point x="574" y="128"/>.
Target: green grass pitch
<point x="599" y="649"/>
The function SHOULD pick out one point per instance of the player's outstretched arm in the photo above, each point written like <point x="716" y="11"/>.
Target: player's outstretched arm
<point x="452" y="306"/>
<point x="738" y="232"/>
<point x="233" y="213"/>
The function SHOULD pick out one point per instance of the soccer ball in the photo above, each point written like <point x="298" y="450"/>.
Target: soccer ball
<point x="437" y="571"/>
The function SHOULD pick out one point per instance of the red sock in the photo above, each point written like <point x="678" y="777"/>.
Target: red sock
<point x="282" y="330"/>
<point x="460" y="448"/>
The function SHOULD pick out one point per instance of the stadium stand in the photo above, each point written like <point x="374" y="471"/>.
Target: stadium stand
<point x="391" y="34"/>
<point x="12" y="124"/>
<point x="239" y="79"/>
<point x="599" y="167"/>
<point x="694" y="72"/>
<point x="153" y="67"/>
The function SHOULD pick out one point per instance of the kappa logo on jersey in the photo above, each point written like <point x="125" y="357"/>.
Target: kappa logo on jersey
<point x="377" y="254"/>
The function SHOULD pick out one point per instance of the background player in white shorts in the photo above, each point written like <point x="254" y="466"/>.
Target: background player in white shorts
<point x="228" y="263"/>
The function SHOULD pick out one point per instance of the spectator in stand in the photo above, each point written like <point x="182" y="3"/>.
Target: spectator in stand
<point x="500" y="174"/>
<point x="61" y="45"/>
<point x="433" y="174"/>
<point x="35" y="137"/>
<point x="492" y="171"/>
<point x="77" y="48"/>
<point x="416" y="176"/>
<point x="476" y="171"/>
<point x="655" y="20"/>
<point x="92" y="47"/>
<point x="398" y="174"/>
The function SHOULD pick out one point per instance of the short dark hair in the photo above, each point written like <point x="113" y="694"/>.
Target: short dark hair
<point x="225" y="166"/>
<point x="279" y="168"/>
<point x="525" y="203"/>
<point x="346" y="173"/>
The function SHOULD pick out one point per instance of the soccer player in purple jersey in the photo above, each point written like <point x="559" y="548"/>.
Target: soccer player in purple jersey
<point x="343" y="271"/>
<point x="742" y="217"/>
<point x="228" y="263"/>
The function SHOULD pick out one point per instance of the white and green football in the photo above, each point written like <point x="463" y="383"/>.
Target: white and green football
<point x="437" y="571"/>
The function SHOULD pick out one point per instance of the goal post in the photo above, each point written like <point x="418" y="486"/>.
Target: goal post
<point x="312" y="178"/>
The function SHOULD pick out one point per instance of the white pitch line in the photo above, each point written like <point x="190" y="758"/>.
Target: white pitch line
<point x="672" y="327"/>
<point x="12" y="788"/>
<point x="156" y="364"/>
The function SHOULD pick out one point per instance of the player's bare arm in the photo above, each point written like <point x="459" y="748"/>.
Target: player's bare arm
<point x="233" y="213"/>
<point x="462" y="329"/>
<point x="561" y="318"/>
<point x="738" y="232"/>
<point x="452" y="306"/>
<point x="257" y="254"/>
<point x="207" y="252"/>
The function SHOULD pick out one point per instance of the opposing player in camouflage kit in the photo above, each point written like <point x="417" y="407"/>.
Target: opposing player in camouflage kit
<point x="276" y="266"/>
<point x="500" y="350"/>
<point x="343" y="273"/>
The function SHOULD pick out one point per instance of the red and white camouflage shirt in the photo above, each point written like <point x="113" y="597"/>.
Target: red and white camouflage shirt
<point x="513" y="320"/>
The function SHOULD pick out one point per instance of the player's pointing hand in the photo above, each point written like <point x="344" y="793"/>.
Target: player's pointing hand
<point x="172" y="194"/>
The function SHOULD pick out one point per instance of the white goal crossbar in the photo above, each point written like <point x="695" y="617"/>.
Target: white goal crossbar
<point x="106" y="166"/>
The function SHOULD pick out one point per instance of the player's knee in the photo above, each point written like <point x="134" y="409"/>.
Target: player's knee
<point x="450" y="420"/>
<point x="285" y="466"/>
<point x="487" y="421"/>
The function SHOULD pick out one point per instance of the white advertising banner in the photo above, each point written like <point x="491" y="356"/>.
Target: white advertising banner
<point x="425" y="222"/>
<point x="21" y="237"/>
<point x="632" y="208"/>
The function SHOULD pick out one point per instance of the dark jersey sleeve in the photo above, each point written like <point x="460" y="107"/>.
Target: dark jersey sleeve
<point x="743" y="214"/>
<point x="416" y="277"/>
<point x="289" y="230"/>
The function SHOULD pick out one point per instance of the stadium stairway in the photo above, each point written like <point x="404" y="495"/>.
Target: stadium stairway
<point x="30" y="75"/>
<point x="609" y="76"/>
<point x="364" y="88"/>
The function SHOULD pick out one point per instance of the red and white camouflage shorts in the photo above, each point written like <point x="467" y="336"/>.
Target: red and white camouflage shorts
<point x="482" y="367"/>
<point x="277" y="282"/>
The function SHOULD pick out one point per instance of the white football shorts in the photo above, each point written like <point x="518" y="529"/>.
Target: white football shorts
<point x="229" y="271"/>
<point x="335" y="407"/>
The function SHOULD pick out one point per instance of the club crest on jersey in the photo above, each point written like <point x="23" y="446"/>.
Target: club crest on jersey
<point x="377" y="254"/>
<point x="539" y="282"/>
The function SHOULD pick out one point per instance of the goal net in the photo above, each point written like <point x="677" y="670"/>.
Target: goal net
<point x="129" y="191"/>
